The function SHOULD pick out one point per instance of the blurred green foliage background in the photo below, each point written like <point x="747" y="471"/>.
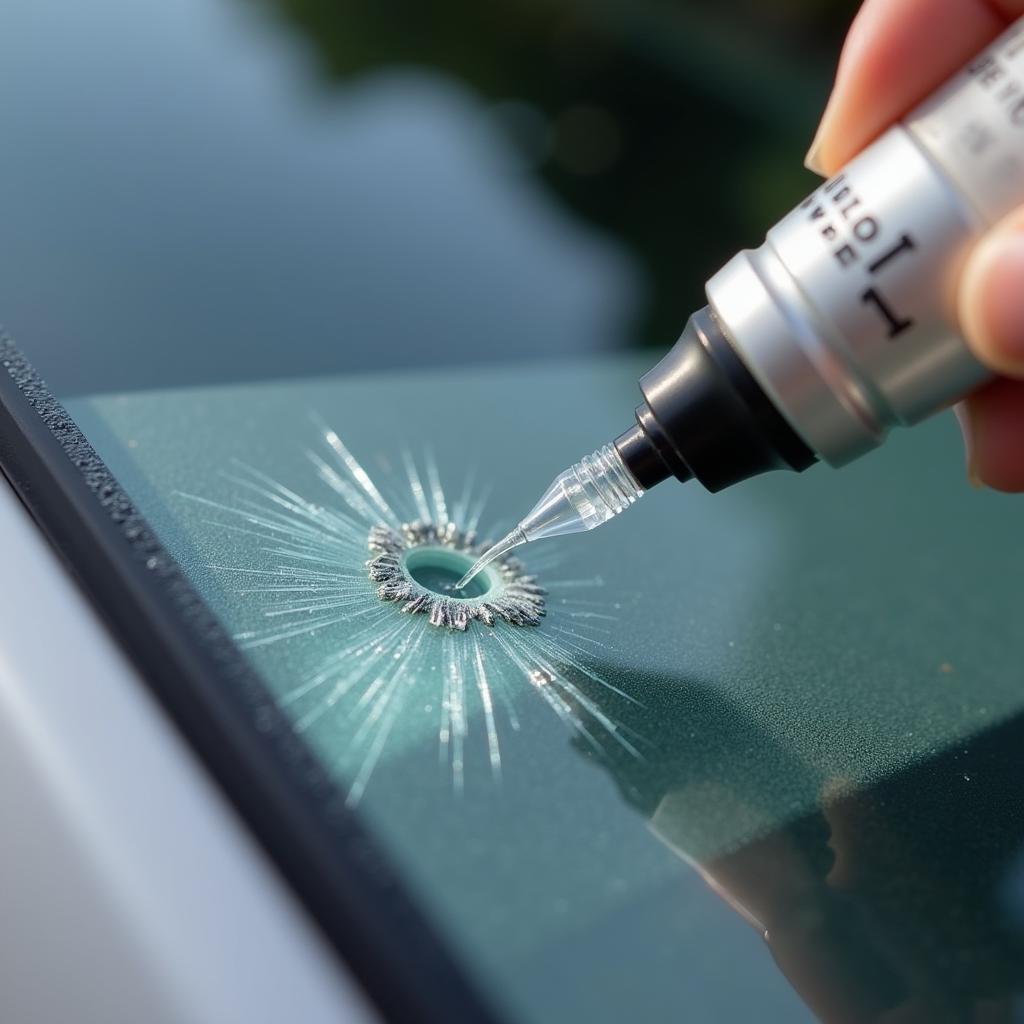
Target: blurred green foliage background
<point x="677" y="126"/>
<point x="218" y="190"/>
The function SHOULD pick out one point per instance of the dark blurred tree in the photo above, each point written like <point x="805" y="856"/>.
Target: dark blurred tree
<point x="676" y="126"/>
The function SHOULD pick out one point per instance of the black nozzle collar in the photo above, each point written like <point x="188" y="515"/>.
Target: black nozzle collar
<point x="704" y="416"/>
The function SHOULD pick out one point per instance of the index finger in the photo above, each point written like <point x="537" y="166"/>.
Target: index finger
<point x="897" y="52"/>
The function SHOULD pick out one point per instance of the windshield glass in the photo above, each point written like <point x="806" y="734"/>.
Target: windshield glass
<point x="788" y="690"/>
<point x="331" y="288"/>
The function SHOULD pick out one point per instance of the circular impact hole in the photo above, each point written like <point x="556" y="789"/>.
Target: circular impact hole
<point x="439" y="569"/>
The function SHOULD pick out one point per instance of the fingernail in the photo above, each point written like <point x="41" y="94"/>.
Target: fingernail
<point x="813" y="159"/>
<point x="847" y="61"/>
<point x="963" y="414"/>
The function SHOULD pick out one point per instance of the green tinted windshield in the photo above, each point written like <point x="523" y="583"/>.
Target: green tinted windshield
<point x="788" y="709"/>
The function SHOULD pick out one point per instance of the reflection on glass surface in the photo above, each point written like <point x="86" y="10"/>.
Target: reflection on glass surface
<point x="792" y="712"/>
<point x="810" y="693"/>
<point x="231" y="189"/>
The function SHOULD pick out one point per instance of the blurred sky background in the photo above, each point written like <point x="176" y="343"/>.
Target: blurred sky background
<point x="213" y="190"/>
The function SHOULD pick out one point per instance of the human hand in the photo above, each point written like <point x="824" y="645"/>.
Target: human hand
<point x="897" y="52"/>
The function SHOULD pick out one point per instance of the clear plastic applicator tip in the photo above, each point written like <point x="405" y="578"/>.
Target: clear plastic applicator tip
<point x="506" y="544"/>
<point x="586" y="495"/>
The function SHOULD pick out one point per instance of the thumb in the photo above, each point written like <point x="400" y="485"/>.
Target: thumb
<point x="991" y="297"/>
<point x="991" y="311"/>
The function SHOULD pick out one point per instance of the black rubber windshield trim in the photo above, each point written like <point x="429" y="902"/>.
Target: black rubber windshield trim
<point x="223" y="710"/>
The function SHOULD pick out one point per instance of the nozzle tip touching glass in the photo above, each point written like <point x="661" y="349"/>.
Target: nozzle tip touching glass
<point x="507" y="543"/>
<point x="586" y="495"/>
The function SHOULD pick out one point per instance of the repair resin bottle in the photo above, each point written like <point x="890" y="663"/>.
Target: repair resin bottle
<point x="840" y="326"/>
